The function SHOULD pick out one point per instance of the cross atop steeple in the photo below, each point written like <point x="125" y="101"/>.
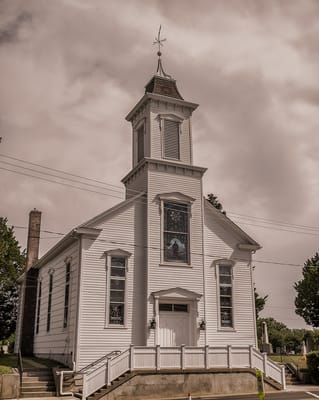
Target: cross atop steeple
<point x="158" y="41"/>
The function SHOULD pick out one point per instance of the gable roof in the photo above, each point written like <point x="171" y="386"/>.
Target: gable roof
<point x="85" y="229"/>
<point x="248" y="243"/>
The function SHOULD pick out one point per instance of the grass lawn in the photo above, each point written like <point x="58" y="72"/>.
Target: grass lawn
<point x="299" y="361"/>
<point x="9" y="361"/>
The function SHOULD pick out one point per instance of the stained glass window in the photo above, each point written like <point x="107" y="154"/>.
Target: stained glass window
<point x="225" y="296"/>
<point x="176" y="232"/>
<point x="117" y="291"/>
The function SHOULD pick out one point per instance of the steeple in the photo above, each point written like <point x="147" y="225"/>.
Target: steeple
<point x="161" y="128"/>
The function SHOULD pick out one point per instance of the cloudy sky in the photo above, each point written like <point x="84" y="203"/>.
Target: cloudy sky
<point x="70" y="70"/>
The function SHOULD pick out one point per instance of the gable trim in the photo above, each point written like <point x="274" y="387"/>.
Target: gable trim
<point x="251" y="244"/>
<point x="110" y="211"/>
<point x="183" y="293"/>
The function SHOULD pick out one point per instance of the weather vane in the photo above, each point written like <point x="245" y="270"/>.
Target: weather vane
<point x="159" y="43"/>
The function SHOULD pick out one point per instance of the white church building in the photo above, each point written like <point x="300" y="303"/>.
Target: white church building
<point x="163" y="272"/>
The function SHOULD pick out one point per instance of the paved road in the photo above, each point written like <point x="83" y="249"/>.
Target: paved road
<point x="293" y="393"/>
<point x="272" y="396"/>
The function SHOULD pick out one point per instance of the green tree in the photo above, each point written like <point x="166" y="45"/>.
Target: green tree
<point x="215" y="202"/>
<point x="259" y="302"/>
<point x="12" y="262"/>
<point x="307" y="299"/>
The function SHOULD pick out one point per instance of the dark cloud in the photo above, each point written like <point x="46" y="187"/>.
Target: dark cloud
<point x="10" y="31"/>
<point x="251" y="65"/>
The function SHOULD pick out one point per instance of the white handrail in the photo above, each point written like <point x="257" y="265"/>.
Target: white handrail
<point x="180" y="358"/>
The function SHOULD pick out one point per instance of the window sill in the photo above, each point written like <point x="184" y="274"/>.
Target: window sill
<point x="115" y="327"/>
<point x="172" y="264"/>
<point x="225" y="329"/>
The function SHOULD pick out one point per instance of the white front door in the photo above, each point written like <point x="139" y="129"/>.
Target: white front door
<point x="174" y="326"/>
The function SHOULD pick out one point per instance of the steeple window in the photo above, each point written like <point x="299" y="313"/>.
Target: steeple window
<point x="140" y="143"/>
<point x="171" y="139"/>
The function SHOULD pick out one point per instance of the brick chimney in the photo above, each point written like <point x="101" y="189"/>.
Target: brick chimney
<point x="30" y="284"/>
<point x="33" y="238"/>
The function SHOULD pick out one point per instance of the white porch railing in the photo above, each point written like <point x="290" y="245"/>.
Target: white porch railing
<point x="180" y="358"/>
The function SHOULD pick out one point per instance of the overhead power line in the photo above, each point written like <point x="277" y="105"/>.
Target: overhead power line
<point x="63" y="180"/>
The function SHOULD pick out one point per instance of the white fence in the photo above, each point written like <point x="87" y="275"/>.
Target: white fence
<point x="180" y="358"/>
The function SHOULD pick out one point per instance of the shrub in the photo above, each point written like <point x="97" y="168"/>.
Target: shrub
<point x="313" y="365"/>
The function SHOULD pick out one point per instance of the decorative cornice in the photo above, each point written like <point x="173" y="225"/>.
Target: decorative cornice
<point x="164" y="99"/>
<point x="146" y="162"/>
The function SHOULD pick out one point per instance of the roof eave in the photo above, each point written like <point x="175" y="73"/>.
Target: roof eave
<point x="66" y="241"/>
<point x="167" y="99"/>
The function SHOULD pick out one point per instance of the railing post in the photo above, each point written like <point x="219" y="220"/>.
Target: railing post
<point x="158" y="357"/>
<point x="251" y="356"/>
<point x="84" y="389"/>
<point x="108" y="372"/>
<point x="182" y="357"/>
<point x="283" y="377"/>
<point x="265" y="364"/>
<point x="229" y="356"/>
<point x="206" y="356"/>
<point x="132" y="357"/>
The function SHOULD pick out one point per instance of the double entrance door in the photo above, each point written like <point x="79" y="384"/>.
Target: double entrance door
<point x="174" y="324"/>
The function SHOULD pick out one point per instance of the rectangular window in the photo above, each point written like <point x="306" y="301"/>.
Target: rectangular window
<point x="140" y="143"/>
<point x="117" y="290"/>
<point x="226" y="296"/>
<point x="66" y="294"/>
<point x="38" y="308"/>
<point x="176" y="232"/>
<point x="171" y="139"/>
<point x="173" y="307"/>
<point x="49" y="303"/>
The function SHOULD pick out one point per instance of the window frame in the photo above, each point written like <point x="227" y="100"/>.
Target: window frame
<point x="117" y="253"/>
<point x="140" y="126"/>
<point x="181" y="199"/>
<point x="178" y="120"/>
<point x="49" y="304"/>
<point x="67" y="289"/>
<point x="166" y="205"/>
<point x="38" y="305"/>
<point x="230" y="264"/>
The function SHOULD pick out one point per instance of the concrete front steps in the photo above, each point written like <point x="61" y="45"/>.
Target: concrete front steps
<point x="37" y="382"/>
<point x="291" y="376"/>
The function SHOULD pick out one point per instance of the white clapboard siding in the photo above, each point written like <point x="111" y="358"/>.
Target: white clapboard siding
<point x="161" y="276"/>
<point x="58" y="343"/>
<point x="157" y="136"/>
<point x="124" y="229"/>
<point x="222" y="244"/>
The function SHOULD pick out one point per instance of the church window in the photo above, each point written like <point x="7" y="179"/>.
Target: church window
<point x="66" y="294"/>
<point x="176" y="232"/>
<point x="117" y="291"/>
<point x="225" y="296"/>
<point x="49" y="303"/>
<point x="171" y="139"/>
<point x="38" y="307"/>
<point x="140" y="143"/>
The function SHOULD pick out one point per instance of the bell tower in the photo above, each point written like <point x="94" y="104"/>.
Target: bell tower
<point x="161" y="127"/>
